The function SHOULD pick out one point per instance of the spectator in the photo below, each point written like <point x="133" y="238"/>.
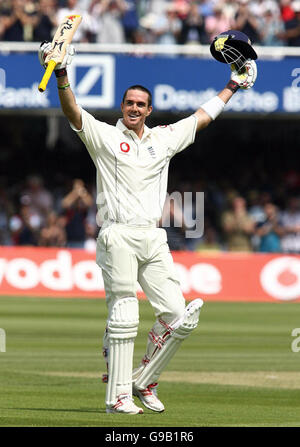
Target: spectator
<point x="256" y="208"/>
<point x="246" y="22"/>
<point x="238" y="226"/>
<point x="206" y="7"/>
<point x="24" y="226"/>
<point x="270" y="230"/>
<point x="89" y="26"/>
<point x="270" y="26"/>
<point x="6" y="210"/>
<point x="16" y="22"/>
<point x="147" y="25"/>
<point x="37" y="197"/>
<point x="130" y="21"/>
<point x="76" y="205"/>
<point x="182" y="7"/>
<point x="229" y="8"/>
<point x="217" y="23"/>
<point x="209" y="242"/>
<point x="291" y="224"/>
<point x="53" y="234"/>
<point x="259" y="7"/>
<point x="109" y="14"/>
<point x="90" y="237"/>
<point x="291" y="35"/>
<point x="83" y="4"/>
<point x="44" y="21"/>
<point x="167" y="26"/>
<point x="193" y="27"/>
<point x="156" y="6"/>
<point x="286" y="10"/>
<point x="257" y="201"/>
<point x="4" y="14"/>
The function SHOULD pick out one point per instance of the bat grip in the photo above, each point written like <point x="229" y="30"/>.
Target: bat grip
<point x="50" y="67"/>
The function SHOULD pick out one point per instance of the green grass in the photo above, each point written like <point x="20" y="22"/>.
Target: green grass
<point x="47" y="338"/>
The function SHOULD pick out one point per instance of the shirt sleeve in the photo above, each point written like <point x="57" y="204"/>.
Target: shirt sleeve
<point x="179" y="135"/>
<point x="92" y="133"/>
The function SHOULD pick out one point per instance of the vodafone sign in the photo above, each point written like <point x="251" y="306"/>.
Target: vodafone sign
<point x="280" y="278"/>
<point x="222" y="277"/>
<point x="49" y="272"/>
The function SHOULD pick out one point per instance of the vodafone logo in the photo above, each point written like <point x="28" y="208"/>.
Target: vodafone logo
<point x="61" y="274"/>
<point x="124" y="147"/>
<point x="58" y="274"/>
<point x="280" y="278"/>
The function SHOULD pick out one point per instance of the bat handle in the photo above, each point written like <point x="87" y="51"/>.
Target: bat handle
<point x="50" y="67"/>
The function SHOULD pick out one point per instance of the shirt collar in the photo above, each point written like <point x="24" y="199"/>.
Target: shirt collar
<point x="124" y="129"/>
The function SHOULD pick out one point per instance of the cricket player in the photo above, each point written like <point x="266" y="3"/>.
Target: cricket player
<point x="132" y="163"/>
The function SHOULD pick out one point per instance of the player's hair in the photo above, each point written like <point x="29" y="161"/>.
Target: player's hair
<point x="142" y="89"/>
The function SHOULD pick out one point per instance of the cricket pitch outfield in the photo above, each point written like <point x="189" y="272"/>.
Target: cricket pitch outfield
<point x="237" y="368"/>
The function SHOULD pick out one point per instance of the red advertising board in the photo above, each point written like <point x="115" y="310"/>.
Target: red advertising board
<point x="56" y="272"/>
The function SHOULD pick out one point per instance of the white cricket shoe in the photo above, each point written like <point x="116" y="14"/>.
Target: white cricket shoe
<point x="149" y="398"/>
<point x="124" y="405"/>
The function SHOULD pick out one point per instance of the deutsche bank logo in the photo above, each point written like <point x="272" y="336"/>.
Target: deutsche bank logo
<point x="92" y="78"/>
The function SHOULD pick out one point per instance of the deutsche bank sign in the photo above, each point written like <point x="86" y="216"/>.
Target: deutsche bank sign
<point x="92" y="78"/>
<point x="99" y="81"/>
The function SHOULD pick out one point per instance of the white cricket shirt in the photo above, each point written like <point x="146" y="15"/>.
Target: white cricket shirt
<point x="132" y="173"/>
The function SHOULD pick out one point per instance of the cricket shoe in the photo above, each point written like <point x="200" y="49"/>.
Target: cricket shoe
<point x="124" y="405"/>
<point x="149" y="398"/>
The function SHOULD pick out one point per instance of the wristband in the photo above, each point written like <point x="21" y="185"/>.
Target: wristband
<point x="213" y="107"/>
<point x="63" y="87"/>
<point x="60" y="72"/>
<point x="232" y="86"/>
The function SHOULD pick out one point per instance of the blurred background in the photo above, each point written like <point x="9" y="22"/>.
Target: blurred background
<point x="246" y="163"/>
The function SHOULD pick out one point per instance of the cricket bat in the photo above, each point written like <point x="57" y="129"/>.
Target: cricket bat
<point x="63" y="36"/>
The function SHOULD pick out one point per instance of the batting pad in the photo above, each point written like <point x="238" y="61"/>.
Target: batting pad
<point x="121" y="330"/>
<point x="180" y="330"/>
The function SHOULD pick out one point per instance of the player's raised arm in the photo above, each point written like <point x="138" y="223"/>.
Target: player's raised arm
<point x="234" y="48"/>
<point x="66" y="96"/>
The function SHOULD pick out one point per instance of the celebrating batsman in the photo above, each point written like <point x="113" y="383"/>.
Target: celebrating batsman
<point x="132" y="163"/>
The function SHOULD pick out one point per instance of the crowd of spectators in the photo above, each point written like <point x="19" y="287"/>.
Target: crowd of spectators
<point x="266" y="22"/>
<point x="254" y="222"/>
<point x="33" y="215"/>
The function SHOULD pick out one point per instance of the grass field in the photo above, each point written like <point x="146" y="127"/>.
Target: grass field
<point x="236" y="369"/>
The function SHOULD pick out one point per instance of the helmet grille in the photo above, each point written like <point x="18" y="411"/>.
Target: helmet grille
<point x="233" y="56"/>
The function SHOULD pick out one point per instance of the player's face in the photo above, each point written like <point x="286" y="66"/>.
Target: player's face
<point x="135" y="109"/>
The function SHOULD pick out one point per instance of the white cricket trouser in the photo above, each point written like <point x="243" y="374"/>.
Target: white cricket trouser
<point x="127" y="254"/>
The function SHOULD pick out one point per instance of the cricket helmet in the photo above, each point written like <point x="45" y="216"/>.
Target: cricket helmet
<point x="232" y="47"/>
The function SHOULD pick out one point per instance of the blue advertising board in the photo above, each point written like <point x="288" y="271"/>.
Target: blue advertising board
<point x="179" y="84"/>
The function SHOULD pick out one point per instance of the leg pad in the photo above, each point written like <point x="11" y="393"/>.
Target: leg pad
<point x="121" y="331"/>
<point x="179" y="330"/>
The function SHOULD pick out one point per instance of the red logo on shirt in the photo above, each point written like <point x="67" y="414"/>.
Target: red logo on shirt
<point x="124" y="147"/>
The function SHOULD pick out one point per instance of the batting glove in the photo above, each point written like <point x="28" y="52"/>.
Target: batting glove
<point x="45" y="48"/>
<point x="246" y="77"/>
